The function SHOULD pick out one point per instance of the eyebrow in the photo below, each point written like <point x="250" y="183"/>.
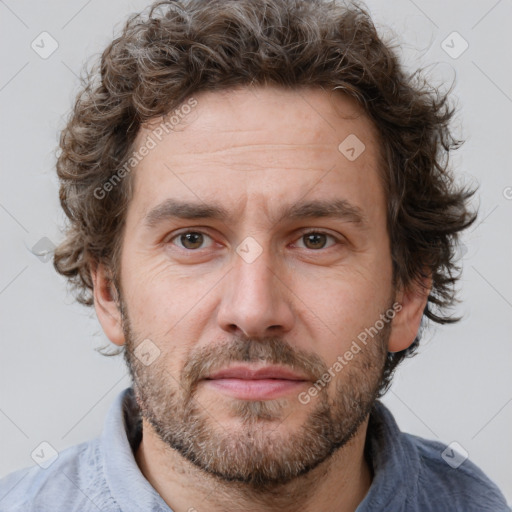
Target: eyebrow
<point x="340" y="209"/>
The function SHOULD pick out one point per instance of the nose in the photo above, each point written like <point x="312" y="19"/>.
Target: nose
<point x="255" y="300"/>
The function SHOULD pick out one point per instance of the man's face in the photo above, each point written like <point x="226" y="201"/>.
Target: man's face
<point x="245" y="311"/>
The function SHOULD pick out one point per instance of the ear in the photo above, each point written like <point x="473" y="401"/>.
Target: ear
<point x="106" y="305"/>
<point x="407" y="321"/>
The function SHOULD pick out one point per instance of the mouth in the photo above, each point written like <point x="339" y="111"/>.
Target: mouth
<point x="261" y="383"/>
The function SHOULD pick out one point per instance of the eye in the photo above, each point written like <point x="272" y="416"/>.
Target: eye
<point x="190" y="240"/>
<point x="316" y="240"/>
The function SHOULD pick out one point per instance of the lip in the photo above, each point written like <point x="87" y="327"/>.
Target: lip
<point x="251" y="373"/>
<point x="249" y="383"/>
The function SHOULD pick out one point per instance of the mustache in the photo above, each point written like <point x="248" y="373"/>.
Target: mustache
<point x="271" y="351"/>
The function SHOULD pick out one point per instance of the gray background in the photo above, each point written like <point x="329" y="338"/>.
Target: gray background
<point x="55" y="387"/>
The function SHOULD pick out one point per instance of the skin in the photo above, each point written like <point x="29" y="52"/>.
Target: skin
<point x="254" y="151"/>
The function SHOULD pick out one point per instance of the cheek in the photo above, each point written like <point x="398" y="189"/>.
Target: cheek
<point x="337" y="306"/>
<point x="158" y="289"/>
<point x="167" y="306"/>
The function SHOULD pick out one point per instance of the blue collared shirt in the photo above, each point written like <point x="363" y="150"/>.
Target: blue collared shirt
<point x="410" y="474"/>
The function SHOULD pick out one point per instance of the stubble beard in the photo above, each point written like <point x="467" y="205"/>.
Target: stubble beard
<point x="255" y="451"/>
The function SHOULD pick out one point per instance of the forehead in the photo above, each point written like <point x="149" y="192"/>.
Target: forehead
<point x="262" y="143"/>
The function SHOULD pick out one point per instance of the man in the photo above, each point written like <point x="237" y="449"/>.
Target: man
<point x="261" y="214"/>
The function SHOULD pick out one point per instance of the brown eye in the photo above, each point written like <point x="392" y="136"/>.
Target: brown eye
<point x="315" y="240"/>
<point x="191" y="240"/>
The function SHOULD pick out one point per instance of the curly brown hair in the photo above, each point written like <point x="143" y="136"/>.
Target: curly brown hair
<point x="179" y="48"/>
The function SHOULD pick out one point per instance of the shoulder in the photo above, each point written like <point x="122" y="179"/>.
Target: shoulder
<point x="74" y="481"/>
<point x="448" y="480"/>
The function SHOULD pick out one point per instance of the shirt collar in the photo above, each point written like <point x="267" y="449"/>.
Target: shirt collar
<point x="120" y="438"/>
<point x="395" y="462"/>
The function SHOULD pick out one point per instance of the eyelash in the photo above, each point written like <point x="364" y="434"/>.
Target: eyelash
<point x="320" y="232"/>
<point x="303" y="234"/>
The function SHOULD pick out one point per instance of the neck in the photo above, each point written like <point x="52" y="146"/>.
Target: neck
<point x="338" y="484"/>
